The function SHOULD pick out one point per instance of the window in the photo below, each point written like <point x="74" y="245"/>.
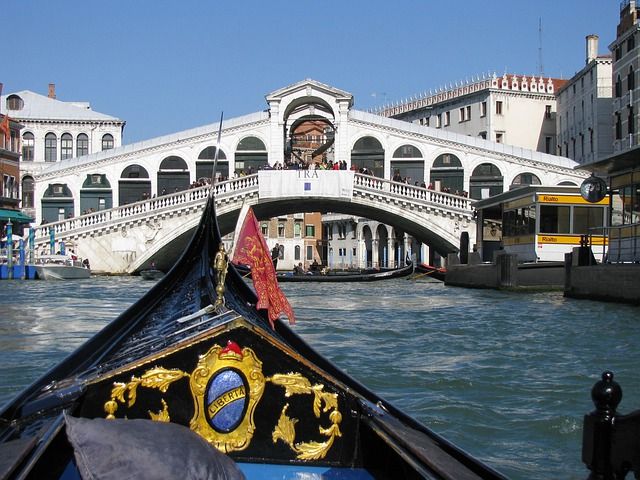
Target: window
<point x="27" y="192"/>
<point x="547" y="111"/>
<point x="82" y="145"/>
<point x="28" y="143"/>
<point x="554" y="219"/>
<point x="499" y="137"/>
<point x="483" y="109"/>
<point x="631" y="43"/>
<point x="14" y="102"/>
<point x="547" y="144"/>
<point x="585" y="218"/>
<point x="309" y="252"/>
<point x="461" y="115"/>
<point x="281" y="230"/>
<point x="265" y="229"/>
<point x="310" y="231"/>
<point x="438" y="120"/>
<point x="631" y="79"/>
<point x="631" y="121"/>
<point x="296" y="252"/>
<point x="447" y="119"/>
<point x="618" y="87"/>
<point x="50" y="147"/>
<point x="468" y="110"/>
<point x="498" y="107"/>
<point x="618" y="124"/>
<point x="66" y="146"/>
<point x="297" y="230"/>
<point x="107" y="141"/>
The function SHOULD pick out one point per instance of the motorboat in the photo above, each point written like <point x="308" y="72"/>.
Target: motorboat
<point x="61" y="267"/>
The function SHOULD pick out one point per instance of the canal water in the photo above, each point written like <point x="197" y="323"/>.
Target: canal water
<point x="506" y="376"/>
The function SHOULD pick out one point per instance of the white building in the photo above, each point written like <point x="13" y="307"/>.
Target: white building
<point x="584" y="120"/>
<point x="626" y="62"/>
<point x="55" y="131"/>
<point x="513" y="109"/>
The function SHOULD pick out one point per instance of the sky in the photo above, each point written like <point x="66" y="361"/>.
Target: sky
<point x="167" y="66"/>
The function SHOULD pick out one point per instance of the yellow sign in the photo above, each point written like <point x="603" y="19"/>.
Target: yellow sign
<point x="567" y="240"/>
<point x="570" y="199"/>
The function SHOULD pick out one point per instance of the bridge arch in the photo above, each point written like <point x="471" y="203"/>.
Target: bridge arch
<point x="368" y="152"/>
<point x="407" y="161"/>
<point x="525" y="178"/>
<point x="57" y="202"/>
<point x="447" y="169"/>
<point x="206" y="160"/>
<point x="96" y="193"/>
<point x="250" y="154"/>
<point x="486" y="181"/>
<point x="173" y="174"/>
<point x="134" y="184"/>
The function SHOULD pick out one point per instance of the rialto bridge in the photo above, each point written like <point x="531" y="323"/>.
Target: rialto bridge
<point x="121" y="207"/>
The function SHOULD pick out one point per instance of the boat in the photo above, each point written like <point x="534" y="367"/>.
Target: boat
<point x="370" y="275"/>
<point x="151" y="274"/>
<point x="194" y="377"/>
<point x="61" y="267"/>
<point x="433" y="272"/>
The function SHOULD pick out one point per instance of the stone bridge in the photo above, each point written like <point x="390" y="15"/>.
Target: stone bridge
<point x="124" y="239"/>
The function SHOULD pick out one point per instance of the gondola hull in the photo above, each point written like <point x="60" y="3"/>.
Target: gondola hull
<point x="347" y="277"/>
<point x="195" y="352"/>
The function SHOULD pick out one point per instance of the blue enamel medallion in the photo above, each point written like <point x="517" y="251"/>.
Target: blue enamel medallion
<point x="226" y="399"/>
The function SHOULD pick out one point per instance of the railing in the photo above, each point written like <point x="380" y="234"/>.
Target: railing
<point x="222" y="190"/>
<point x="145" y="207"/>
<point x="446" y="200"/>
<point x="622" y="245"/>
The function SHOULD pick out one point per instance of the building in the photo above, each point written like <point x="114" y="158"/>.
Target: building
<point x="54" y="131"/>
<point x="10" y="176"/>
<point x="584" y="117"/>
<point x="491" y="108"/>
<point x="626" y="97"/>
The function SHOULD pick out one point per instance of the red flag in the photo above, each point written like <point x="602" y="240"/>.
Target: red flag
<point x="252" y="250"/>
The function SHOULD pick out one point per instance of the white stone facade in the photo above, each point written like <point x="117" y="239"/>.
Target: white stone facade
<point x="55" y="130"/>
<point x="584" y="120"/>
<point x="512" y="109"/>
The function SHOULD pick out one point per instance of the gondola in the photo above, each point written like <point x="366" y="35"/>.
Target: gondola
<point x="363" y="276"/>
<point x="429" y="270"/>
<point x="193" y="378"/>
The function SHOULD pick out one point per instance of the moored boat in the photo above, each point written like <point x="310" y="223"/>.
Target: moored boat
<point x="151" y="274"/>
<point x="429" y="270"/>
<point x="337" y="276"/>
<point x="196" y="353"/>
<point x="61" y="267"/>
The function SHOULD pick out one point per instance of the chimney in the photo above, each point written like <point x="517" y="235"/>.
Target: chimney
<point x="592" y="48"/>
<point x="52" y="90"/>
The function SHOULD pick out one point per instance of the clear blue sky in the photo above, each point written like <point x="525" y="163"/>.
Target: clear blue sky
<point x="165" y="66"/>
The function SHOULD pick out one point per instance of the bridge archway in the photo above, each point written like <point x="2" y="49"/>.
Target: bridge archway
<point x="251" y="155"/>
<point x="95" y="193"/>
<point x="486" y="181"/>
<point x="134" y="184"/>
<point x="407" y="163"/>
<point x="368" y="153"/>
<point x="173" y="174"/>
<point x="205" y="163"/>
<point x="447" y="173"/>
<point x="57" y="202"/>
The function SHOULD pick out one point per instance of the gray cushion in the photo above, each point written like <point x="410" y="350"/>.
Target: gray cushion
<point x="144" y="449"/>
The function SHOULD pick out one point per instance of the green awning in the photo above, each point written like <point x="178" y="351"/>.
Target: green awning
<point x="14" y="216"/>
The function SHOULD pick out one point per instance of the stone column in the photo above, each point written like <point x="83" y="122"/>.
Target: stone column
<point x="375" y="253"/>
<point x="276" y="133"/>
<point x="391" y="253"/>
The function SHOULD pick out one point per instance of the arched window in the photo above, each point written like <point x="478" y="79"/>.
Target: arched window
<point x="618" y="87"/>
<point x="447" y="174"/>
<point x="251" y="155"/>
<point x="14" y="102"/>
<point x="27" y="192"/>
<point x="407" y="163"/>
<point x="82" y="145"/>
<point x="107" y="141"/>
<point x="66" y="146"/>
<point x="631" y="79"/>
<point x="486" y="181"/>
<point x="28" y="143"/>
<point x="206" y="160"/>
<point x="173" y="175"/>
<point x="368" y="154"/>
<point x="526" y="179"/>
<point x="134" y="185"/>
<point x="296" y="252"/>
<point x="50" y="147"/>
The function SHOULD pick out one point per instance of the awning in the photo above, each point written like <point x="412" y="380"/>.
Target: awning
<point x="14" y="216"/>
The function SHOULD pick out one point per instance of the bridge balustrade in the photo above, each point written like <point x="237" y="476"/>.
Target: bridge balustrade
<point x="410" y="191"/>
<point x="144" y="208"/>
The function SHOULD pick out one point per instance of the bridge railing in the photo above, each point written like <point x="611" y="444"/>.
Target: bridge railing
<point x="447" y="200"/>
<point x="143" y="208"/>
